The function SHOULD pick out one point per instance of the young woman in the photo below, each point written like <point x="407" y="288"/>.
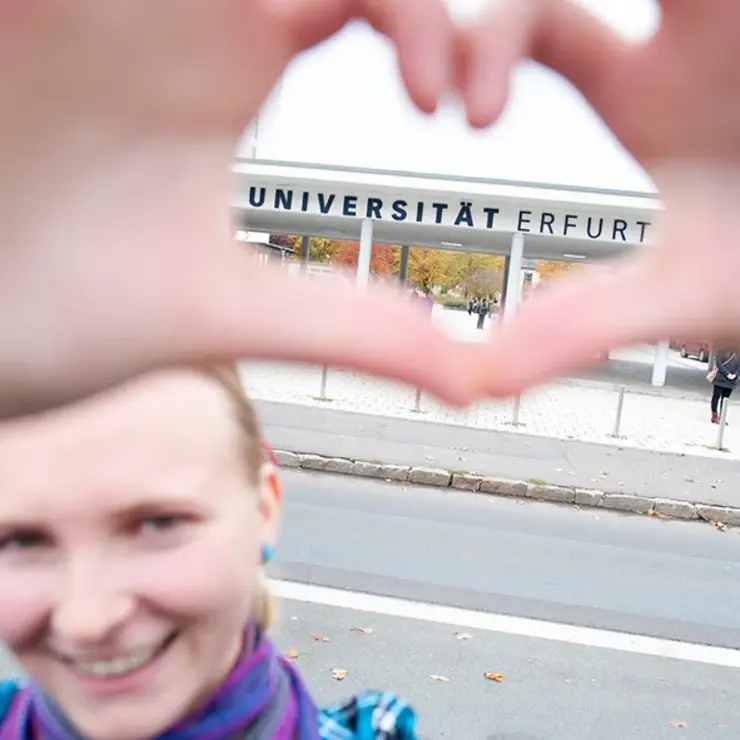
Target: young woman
<point x="134" y="530"/>
<point x="724" y="379"/>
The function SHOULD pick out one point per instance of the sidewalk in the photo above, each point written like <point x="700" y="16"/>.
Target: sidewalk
<point x="516" y="456"/>
<point x="559" y="410"/>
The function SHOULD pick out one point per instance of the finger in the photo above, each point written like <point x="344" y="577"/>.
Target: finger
<point x="567" y="325"/>
<point x="423" y="34"/>
<point x="421" y="31"/>
<point x="557" y="33"/>
<point x="373" y="331"/>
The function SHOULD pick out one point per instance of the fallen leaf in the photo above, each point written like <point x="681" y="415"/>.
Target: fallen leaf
<point x="657" y="514"/>
<point x="463" y="636"/>
<point x="291" y="654"/>
<point x="319" y="638"/>
<point x="677" y="723"/>
<point x="441" y="679"/>
<point x="720" y="526"/>
<point x="364" y="630"/>
<point x="338" y="674"/>
<point x="497" y="677"/>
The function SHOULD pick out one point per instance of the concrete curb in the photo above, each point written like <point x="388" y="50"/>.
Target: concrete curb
<point x="664" y="508"/>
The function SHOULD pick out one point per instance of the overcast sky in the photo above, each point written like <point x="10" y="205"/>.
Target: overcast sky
<point x="343" y="104"/>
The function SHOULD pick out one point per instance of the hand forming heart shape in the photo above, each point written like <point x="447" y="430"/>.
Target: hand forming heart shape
<point x="118" y="121"/>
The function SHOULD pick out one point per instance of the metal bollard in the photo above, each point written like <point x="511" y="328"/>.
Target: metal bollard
<point x="620" y="408"/>
<point x="417" y="401"/>
<point x="516" y="410"/>
<point x="722" y="424"/>
<point x="324" y="380"/>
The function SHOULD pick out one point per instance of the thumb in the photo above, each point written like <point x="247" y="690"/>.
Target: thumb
<point x="567" y="324"/>
<point x="261" y="313"/>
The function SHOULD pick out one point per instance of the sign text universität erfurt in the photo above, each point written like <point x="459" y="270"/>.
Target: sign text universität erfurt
<point x="465" y="214"/>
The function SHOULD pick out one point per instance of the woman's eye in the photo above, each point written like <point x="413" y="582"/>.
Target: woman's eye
<point x="162" y="523"/>
<point x="22" y="541"/>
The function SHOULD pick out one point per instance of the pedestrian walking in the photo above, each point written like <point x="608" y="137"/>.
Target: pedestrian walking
<point x="723" y="377"/>
<point x="482" y="313"/>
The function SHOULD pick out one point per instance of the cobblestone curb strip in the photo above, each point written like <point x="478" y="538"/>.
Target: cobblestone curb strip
<point x="664" y="508"/>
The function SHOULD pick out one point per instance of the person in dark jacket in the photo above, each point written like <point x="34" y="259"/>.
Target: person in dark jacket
<point x="724" y="382"/>
<point x="482" y="313"/>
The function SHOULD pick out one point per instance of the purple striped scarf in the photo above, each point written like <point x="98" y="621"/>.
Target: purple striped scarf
<point x="262" y="697"/>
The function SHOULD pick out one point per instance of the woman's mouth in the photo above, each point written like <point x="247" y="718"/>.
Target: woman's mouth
<point x="120" y="665"/>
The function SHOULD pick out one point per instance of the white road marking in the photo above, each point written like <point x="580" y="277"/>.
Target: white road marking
<point x="524" y="627"/>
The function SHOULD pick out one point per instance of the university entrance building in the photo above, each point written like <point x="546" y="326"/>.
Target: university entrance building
<point x="520" y="221"/>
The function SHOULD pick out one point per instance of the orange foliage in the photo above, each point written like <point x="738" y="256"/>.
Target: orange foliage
<point x="381" y="263"/>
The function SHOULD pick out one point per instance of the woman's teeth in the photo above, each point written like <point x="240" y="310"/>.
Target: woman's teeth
<point x="117" y="666"/>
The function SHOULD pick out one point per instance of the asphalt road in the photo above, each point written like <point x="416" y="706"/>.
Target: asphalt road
<point x="550" y="691"/>
<point x="629" y="574"/>
<point x="677" y="580"/>
<point x="576" y="567"/>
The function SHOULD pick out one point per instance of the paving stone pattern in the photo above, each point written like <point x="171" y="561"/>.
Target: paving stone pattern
<point x="561" y="410"/>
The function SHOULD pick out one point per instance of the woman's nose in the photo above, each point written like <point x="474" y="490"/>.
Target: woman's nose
<point x="90" y="605"/>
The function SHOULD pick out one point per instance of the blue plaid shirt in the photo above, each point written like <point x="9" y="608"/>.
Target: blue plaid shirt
<point x="373" y="715"/>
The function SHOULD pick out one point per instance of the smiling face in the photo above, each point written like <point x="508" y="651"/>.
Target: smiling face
<point x="130" y="537"/>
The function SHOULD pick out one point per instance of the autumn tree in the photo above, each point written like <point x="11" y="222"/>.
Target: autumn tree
<point x="552" y="268"/>
<point x="290" y="242"/>
<point x="323" y="250"/>
<point x="426" y="268"/>
<point x="484" y="282"/>
<point x="475" y="274"/>
<point x="382" y="261"/>
<point x="319" y="248"/>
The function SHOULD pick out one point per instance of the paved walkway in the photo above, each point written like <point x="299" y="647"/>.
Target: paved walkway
<point x="675" y="420"/>
<point x="609" y="468"/>
<point x="561" y="411"/>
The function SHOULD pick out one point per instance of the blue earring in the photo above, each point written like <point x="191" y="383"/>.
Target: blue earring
<point x="268" y="553"/>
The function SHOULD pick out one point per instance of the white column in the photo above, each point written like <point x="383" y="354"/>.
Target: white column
<point x="660" y="366"/>
<point x="366" y="253"/>
<point x="514" y="276"/>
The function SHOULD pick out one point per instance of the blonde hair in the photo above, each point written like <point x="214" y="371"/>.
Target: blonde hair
<point x="255" y="457"/>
